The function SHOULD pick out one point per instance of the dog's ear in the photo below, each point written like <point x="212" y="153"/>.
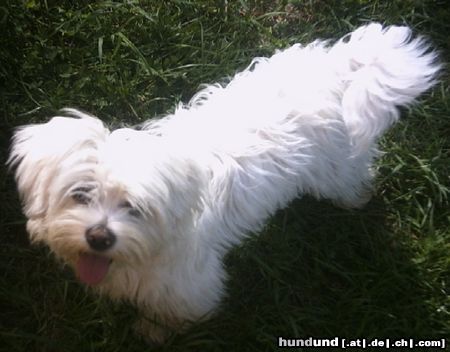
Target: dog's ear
<point x="40" y="152"/>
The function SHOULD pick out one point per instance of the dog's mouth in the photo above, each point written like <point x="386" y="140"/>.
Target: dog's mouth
<point x="91" y="269"/>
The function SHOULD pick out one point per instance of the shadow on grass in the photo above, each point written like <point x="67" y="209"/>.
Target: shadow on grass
<point x="322" y="272"/>
<point x="314" y="271"/>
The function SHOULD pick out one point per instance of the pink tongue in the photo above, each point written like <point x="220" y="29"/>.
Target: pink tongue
<point x="91" y="269"/>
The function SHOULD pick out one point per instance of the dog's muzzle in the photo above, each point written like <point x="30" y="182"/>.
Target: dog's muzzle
<point x="100" y="238"/>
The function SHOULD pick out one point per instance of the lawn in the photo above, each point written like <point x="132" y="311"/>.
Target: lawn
<point x="315" y="270"/>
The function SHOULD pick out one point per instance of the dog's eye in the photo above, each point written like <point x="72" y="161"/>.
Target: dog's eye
<point x="134" y="212"/>
<point x="81" y="195"/>
<point x="81" y="198"/>
<point x="131" y="210"/>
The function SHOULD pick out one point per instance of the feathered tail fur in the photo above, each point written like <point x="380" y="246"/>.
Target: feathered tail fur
<point x="386" y="68"/>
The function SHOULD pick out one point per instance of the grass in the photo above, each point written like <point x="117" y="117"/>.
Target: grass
<point x="383" y="271"/>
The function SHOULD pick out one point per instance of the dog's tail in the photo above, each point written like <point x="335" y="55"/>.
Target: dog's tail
<point x="384" y="68"/>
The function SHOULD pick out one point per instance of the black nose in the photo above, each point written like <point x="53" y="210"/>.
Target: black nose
<point x="100" y="238"/>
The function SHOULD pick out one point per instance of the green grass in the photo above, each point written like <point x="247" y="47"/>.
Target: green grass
<point x="383" y="271"/>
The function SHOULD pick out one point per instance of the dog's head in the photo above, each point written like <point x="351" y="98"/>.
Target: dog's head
<point x="102" y="201"/>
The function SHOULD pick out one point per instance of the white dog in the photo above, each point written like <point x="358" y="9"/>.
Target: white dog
<point x="148" y="215"/>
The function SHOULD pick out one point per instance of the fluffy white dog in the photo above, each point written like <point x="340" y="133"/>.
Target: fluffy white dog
<point x="147" y="215"/>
